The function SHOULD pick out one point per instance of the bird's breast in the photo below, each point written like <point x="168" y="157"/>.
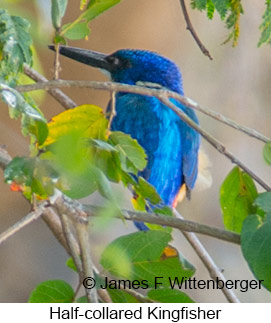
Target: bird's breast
<point x="156" y="129"/>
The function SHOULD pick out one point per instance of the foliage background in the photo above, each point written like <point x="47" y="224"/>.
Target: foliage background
<point x="236" y="83"/>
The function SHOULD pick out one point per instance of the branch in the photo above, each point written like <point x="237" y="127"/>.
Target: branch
<point x="119" y="87"/>
<point x="91" y="210"/>
<point x="5" y="158"/>
<point x="56" y="63"/>
<point x="73" y="247"/>
<point x="212" y="268"/>
<point x="141" y="298"/>
<point x="51" y="218"/>
<point x="81" y="225"/>
<point x="163" y="96"/>
<point x="113" y="112"/>
<point x="30" y="217"/>
<point x="193" y="32"/>
<point x="61" y="97"/>
<point x="184" y="225"/>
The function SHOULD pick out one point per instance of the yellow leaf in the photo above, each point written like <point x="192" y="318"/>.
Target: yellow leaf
<point x="87" y="120"/>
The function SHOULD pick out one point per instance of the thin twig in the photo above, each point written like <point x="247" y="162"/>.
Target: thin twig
<point x="104" y="295"/>
<point x="78" y="287"/>
<point x="5" y="158"/>
<point x="72" y="246"/>
<point x="61" y="97"/>
<point x="212" y="268"/>
<point x="113" y="112"/>
<point x="73" y="209"/>
<point x="182" y="224"/>
<point x="91" y="210"/>
<point x="160" y="94"/>
<point x="56" y="63"/>
<point x="84" y="243"/>
<point x="141" y="298"/>
<point x="51" y="218"/>
<point x="119" y="87"/>
<point x="30" y="217"/>
<point x="189" y="27"/>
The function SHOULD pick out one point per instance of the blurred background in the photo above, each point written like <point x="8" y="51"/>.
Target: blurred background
<point x="237" y="83"/>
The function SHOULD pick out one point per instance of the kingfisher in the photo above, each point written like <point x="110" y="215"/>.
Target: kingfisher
<point x="171" y="145"/>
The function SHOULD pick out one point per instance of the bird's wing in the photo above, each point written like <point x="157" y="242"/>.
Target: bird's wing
<point x="190" y="149"/>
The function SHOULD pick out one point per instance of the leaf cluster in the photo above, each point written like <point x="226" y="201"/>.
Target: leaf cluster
<point x="139" y="258"/>
<point x="248" y="212"/>
<point x="230" y="12"/>
<point x="79" y="28"/>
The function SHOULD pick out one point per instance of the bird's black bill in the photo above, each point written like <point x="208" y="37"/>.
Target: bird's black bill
<point x="88" y="57"/>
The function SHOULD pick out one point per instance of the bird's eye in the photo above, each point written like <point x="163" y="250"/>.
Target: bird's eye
<point x="113" y="60"/>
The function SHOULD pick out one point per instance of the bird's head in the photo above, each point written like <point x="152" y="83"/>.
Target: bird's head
<point x="131" y="66"/>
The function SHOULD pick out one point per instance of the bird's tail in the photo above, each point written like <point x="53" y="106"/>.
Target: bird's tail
<point x="204" y="178"/>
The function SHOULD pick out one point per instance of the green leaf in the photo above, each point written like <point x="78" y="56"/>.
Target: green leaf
<point x="59" y="40"/>
<point x="145" y="253"/>
<point x="116" y="260"/>
<point x="15" y="41"/>
<point x="107" y="159"/>
<point x="199" y="4"/>
<point x="33" y="121"/>
<point x="34" y="173"/>
<point x="210" y="9"/>
<point x="168" y="295"/>
<point x="105" y="215"/>
<point x="221" y="7"/>
<point x="237" y="194"/>
<point x="103" y="185"/>
<point x="267" y="151"/>
<point x="52" y="291"/>
<point x="58" y="10"/>
<point x="79" y="27"/>
<point x="233" y="21"/>
<point x="39" y="129"/>
<point x="229" y="10"/>
<point x="147" y="191"/>
<point x="70" y="264"/>
<point x="263" y="201"/>
<point x="256" y="247"/>
<point x="76" y="31"/>
<point x="265" y="28"/>
<point x="72" y="159"/>
<point x="20" y="169"/>
<point x="96" y="7"/>
<point x="83" y="4"/>
<point x="132" y="155"/>
<point x="164" y="210"/>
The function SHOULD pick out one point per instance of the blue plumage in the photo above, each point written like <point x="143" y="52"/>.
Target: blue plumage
<point x="170" y="144"/>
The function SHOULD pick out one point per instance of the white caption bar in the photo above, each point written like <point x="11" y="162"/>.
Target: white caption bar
<point x="171" y="312"/>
